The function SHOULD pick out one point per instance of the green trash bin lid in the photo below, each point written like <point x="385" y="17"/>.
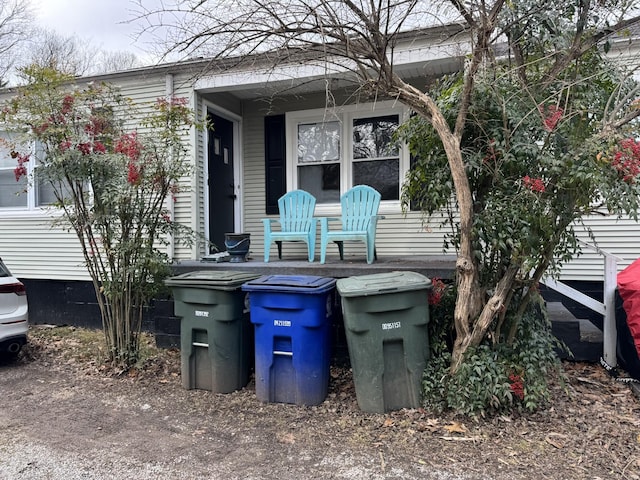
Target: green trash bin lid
<point x="211" y="279"/>
<point x="381" y="283"/>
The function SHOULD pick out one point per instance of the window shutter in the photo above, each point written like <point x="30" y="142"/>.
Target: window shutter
<point x="275" y="161"/>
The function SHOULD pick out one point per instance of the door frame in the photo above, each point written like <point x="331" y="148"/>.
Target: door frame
<point x="238" y="206"/>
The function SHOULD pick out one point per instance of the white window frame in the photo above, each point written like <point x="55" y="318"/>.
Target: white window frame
<point x="345" y="115"/>
<point x="31" y="193"/>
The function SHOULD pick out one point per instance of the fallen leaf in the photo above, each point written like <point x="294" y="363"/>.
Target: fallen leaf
<point x="428" y="426"/>
<point x="455" y="427"/>
<point x="388" y="422"/>
<point x="553" y="439"/>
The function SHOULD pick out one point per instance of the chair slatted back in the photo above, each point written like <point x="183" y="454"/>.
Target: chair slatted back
<point x="358" y="206"/>
<point x="296" y="211"/>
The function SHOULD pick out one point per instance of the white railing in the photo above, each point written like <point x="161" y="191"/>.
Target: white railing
<point x="606" y="308"/>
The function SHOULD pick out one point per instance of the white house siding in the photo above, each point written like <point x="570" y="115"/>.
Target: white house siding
<point x="254" y="177"/>
<point x="188" y="207"/>
<point x="35" y="250"/>
<point x="617" y="237"/>
<point x="197" y="190"/>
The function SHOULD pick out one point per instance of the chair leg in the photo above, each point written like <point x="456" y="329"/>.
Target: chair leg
<point x="370" y="255"/>
<point x="279" y="249"/>
<point x="340" y="249"/>
<point x="267" y="250"/>
<point x="311" y="247"/>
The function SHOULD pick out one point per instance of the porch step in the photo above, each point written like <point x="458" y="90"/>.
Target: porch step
<point x="582" y="337"/>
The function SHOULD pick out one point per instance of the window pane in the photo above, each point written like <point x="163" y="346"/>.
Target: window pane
<point x="373" y="137"/>
<point x="12" y="193"/>
<point x="5" y="157"/>
<point x="383" y="175"/>
<point x="319" y="142"/>
<point x="321" y="181"/>
<point x="44" y="194"/>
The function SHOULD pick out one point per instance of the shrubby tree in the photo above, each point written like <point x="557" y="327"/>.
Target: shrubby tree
<point x="112" y="186"/>
<point x="527" y="139"/>
<point x="53" y="50"/>
<point x="74" y="56"/>
<point x="16" y="17"/>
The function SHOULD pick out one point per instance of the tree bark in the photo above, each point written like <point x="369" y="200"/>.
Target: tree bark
<point x="470" y="297"/>
<point x="493" y="306"/>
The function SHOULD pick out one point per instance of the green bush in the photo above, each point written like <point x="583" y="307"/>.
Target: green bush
<point x="493" y="377"/>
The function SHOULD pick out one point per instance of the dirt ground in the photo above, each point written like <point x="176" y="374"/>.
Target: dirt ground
<point x="62" y="416"/>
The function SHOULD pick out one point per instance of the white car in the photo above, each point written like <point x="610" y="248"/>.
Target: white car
<point x="14" y="313"/>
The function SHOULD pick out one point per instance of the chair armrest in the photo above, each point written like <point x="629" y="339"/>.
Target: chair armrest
<point x="324" y="222"/>
<point x="268" y="222"/>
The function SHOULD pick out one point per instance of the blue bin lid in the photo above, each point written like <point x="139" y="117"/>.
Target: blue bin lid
<point x="381" y="283"/>
<point x="211" y="279"/>
<point x="291" y="283"/>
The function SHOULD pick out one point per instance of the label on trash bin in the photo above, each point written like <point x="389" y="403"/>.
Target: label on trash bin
<point x="282" y="323"/>
<point x="201" y="313"/>
<point x="391" y="325"/>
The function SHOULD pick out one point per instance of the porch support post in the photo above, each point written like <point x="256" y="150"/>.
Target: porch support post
<point x="171" y="247"/>
<point x="609" y="329"/>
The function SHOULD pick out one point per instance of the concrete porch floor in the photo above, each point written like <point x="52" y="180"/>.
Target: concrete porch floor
<point x="431" y="266"/>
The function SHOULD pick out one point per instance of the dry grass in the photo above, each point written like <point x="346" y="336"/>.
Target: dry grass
<point x="85" y="348"/>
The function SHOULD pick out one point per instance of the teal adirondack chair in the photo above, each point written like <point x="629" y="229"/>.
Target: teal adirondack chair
<point x="359" y="220"/>
<point x="297" y="223"/>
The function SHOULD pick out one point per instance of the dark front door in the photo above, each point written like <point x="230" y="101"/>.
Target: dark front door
<point x="221" y="180"/>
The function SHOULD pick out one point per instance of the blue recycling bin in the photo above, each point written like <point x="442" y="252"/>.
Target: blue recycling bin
<point x="292" y="318"/>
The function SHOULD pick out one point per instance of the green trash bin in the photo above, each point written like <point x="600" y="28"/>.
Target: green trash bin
<point x="386" y="316"/>
<point x="216" y="340"/>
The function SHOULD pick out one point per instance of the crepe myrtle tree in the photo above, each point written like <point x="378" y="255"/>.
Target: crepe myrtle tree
<point x="111" y="184"/>
<point x="533" y="49"/>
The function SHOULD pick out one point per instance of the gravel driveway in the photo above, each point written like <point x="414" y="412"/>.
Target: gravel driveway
<point x="63" y="417"/>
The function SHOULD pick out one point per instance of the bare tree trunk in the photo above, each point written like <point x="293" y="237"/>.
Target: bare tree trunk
<point x="493" y="306"/>
<point x="470" y="297"/>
